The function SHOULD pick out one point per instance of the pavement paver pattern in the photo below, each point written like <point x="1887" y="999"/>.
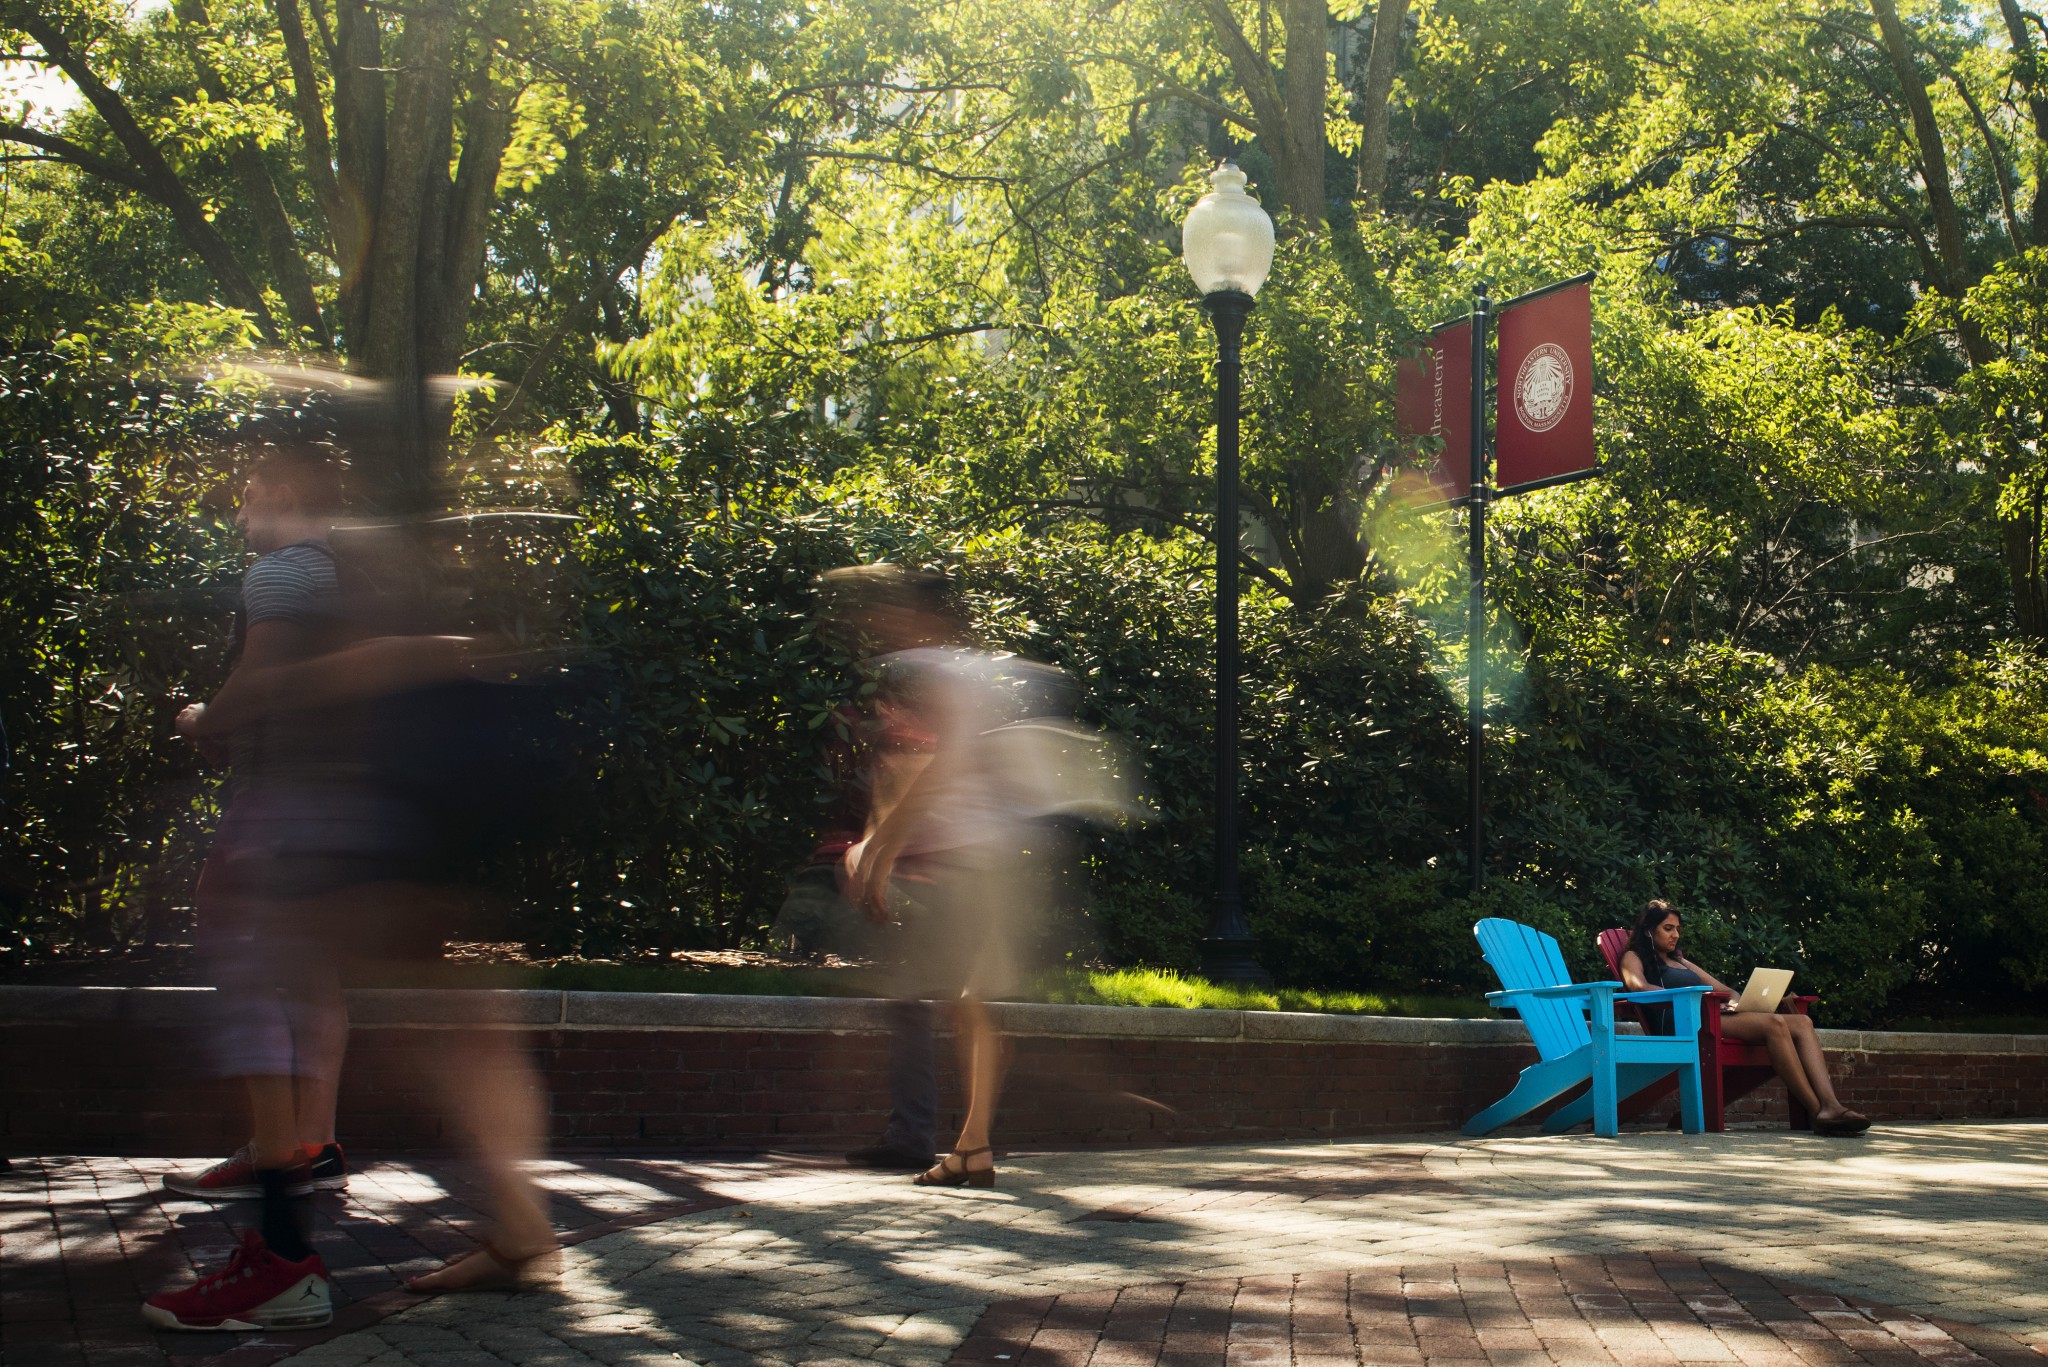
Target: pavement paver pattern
<point x="1665" y="1310"/>
<point x="84" y="1240"/>
<point x="1914" y="1244"/>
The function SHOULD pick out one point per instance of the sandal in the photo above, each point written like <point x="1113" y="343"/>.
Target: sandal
<point x="943" y="1174"/>
<point x="1841" y="1127"/>
<point x="507" y="1272"/>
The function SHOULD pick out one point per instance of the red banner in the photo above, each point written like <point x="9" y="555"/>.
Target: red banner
<point x="1543" y="419"/>
<point x="1433" y="398"/>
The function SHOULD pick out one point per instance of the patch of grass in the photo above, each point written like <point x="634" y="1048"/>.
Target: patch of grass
<point x="1163" y="987"/>
<point x="1111" y="987"/>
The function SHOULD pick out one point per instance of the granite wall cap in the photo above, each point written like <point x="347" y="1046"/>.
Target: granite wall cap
<point x="1930" y="1042"/>
<point x="1309" y="1026"/>
<point x="464" y="1006"/>
<point x="1054" y="1019"/>
<point x="530" y="1008"/>
<point x="158" y="1005"/>
<point x="685" y="1011"/>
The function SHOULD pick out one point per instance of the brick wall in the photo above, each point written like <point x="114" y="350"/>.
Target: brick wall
<point x="125" y="1071"/>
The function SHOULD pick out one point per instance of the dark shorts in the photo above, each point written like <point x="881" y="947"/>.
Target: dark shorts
<point x="288" y="842"/>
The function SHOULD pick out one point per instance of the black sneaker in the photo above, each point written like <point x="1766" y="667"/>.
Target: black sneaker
<point x="893" y="1157"/>
<point x="330" y="1170"/>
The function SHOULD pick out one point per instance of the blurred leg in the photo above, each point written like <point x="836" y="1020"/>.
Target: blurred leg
<point x="981" y="1074"/>
<point x="913" y="1078"/>
<point x="494" y="1092"/>
<point x="273" y="1119"/>
<point x="319" y="1022"/>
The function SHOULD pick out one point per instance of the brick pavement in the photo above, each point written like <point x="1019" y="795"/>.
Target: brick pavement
<point x="1658" y="1311"/>
<point x="1389" y="1169"/>
<point x="84" y="1240"/>
<point x="1913" y="1245"/>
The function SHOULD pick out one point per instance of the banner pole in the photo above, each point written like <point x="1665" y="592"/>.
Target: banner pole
<point x="1475" y="638"/>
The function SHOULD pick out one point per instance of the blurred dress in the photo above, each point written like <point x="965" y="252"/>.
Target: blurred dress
<point x="973" y="872"/>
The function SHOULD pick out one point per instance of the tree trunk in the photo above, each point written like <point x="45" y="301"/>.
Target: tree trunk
<point x="288" y="273"/>
<point x="153" y="170"/>
<point x="291" y="27"/>
<point x="1305" y="75"/>
<point x="486" y="130"/>
<point x="1941" y="199"/>
<point x="360" y="121"/>
<point x="394" y="471"/>
<point x="408" y="238"/>
<point x="1380" y="64"/>
<point x="1290" y="121"/>
<point x="2021" y="534"/>
<point x="2022" y="537"/>
<point x="2026" y="54"/>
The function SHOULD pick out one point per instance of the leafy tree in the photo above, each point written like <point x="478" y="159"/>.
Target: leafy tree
<point x="379" y="168"/>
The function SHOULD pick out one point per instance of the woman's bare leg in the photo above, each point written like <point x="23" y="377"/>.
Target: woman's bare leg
<point x="493" y="1092"/>
<point x="981" y="1075"/>
<point x="320" y="1044"/>
<point x="492" y="1088"/>
<point x="1815" y="1061"/>
<point x="1773" y="1034"/>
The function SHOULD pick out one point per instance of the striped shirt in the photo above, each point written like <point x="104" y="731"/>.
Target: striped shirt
<point x="294" y="583"/>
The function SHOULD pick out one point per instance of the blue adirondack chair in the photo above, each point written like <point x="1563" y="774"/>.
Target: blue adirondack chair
<point x="1573" y="1027"/>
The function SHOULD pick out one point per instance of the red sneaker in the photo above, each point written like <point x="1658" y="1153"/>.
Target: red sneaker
<point x="257" y="1290"/>
<point x="234" y="1178"/>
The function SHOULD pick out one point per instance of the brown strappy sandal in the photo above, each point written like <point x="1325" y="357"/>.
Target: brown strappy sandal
<point x="508" y="1272"/>
<point x="943" y="1174"/>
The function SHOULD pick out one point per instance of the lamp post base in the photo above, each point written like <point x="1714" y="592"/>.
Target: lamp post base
<point x="1230" y="950"/>
<point x="1232" y="961"/>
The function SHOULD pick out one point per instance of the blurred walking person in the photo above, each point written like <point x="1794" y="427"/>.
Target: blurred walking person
<point x="295" y="827"/>
<point x="959" y="855"/>
<point x="382" y="751"/>
<point x="871" y="756"/>
<point x="458" y="750"/>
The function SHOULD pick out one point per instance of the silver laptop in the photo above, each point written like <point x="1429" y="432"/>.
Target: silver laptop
<point x="1766" y="987"/>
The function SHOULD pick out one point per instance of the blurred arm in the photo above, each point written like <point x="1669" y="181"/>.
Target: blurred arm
<point x="268" y="647"/>
<point x="372" y="669"/>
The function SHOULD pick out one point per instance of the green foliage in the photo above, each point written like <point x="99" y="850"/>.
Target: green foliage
<point x="112" y="576"/>
<point x="912" y="291"/>
<point x="1150" y="987"/>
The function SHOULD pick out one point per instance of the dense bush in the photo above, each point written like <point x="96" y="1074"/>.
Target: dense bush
<point x="1883" y="833"/>
<point x="1869" y="831"/>
<point x="115" y="583"/>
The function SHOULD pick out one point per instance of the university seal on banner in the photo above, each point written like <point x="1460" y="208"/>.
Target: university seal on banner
<point x="1543" y="387"/>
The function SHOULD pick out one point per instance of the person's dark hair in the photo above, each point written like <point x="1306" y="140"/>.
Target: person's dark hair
<point x="1654" y="914"/>
<point x="313" y="478"/>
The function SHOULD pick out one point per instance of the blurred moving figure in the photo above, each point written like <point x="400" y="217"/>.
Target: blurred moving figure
<point x="379" y="758"/>
<point x="869" y="750"/>
<point x="961" y="828"/>
<point x="296" y="827"/>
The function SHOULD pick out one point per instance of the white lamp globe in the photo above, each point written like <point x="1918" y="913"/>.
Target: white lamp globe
<point x="1227" y="241"/>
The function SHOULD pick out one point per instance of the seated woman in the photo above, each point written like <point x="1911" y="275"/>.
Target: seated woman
<point x="1653" y="960"/>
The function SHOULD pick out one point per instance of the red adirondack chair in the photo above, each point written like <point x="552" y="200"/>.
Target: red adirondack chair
<point x="1729" y="1069"/>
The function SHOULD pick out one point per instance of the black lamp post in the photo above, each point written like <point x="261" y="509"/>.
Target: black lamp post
<point x="1227" y="244"/>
